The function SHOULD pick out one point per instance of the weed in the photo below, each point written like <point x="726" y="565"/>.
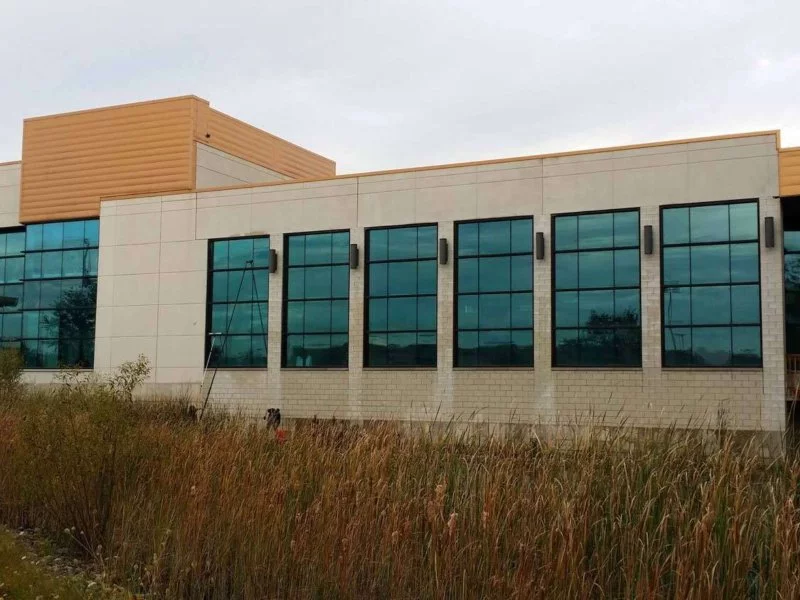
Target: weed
<point x="219" y="509"/>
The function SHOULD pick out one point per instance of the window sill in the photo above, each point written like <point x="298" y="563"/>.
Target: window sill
<point x="611" y="369"/>
<point x="493" y="369"/>
<point x="424" y="369"/>
<point x="312" y="369"/>
<point x="712" y="369"/>
<point x="52" y="370"/>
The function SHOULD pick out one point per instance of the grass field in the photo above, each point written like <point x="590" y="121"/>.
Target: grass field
<point x="219" y="509"/>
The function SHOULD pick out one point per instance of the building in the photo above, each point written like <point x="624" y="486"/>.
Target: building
<point x="643" y="283"/>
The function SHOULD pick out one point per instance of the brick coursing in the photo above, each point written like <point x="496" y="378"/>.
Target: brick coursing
<point x="645" y="397"/>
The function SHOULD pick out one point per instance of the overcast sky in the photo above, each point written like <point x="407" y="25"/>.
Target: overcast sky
<point x="375" y="84"/>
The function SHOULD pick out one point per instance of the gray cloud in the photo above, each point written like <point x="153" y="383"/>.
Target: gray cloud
<point x="378" y="84"/>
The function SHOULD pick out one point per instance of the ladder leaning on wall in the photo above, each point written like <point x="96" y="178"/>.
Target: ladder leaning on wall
<point x="248" y="266"/>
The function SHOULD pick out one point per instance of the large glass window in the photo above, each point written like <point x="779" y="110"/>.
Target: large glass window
<point x="596" y="316"/>
<point x="401" y="297"/>
<point x="238" y="297"/>
<point x="12" y="268"/>
<point x="791" y="271"/>
<point x="316" y="316"/>
<point x="59" y="294"/>
<point x="711" y="303"/>
<point x="494" y="293"/>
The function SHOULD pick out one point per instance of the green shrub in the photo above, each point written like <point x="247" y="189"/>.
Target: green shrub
<point x="78" y="450"/>
<point x="120" y="383"/>
<point x="128" y="376"/>
<point x="11" y="366"/>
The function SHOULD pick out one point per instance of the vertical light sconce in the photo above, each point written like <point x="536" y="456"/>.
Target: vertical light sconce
<point x="273" y="260"/>
<point x="353" y="256"/>
<point x="648" y="239"/>
<point x="769" y="232"/>
<point x="443" y="251"/>
<point x="539" y="245"/>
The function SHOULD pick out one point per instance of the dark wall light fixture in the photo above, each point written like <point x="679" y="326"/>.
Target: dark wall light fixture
<point x="648" y="239"/>
<point x="273" y="261"/>
<point x="539" y="245"/>
<point x="769" y="232"/>
<point x="353" y="256"/>
<point x="443" y="251"/>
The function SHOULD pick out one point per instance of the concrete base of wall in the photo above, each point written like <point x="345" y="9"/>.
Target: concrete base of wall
<point x="567" y="430"/>
<point x="562" y="431"/>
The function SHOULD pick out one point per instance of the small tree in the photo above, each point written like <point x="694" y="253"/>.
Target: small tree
<point x="128" y="376"/>
<point x="120" y="384"/>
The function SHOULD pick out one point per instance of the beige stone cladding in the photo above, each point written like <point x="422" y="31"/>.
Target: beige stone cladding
<point x="152" y="290"/>
<point x="216" y="168"/>
<point x="9" y="194"/>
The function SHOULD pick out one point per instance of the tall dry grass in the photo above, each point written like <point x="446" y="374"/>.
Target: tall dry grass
<point x="219" y="509"/>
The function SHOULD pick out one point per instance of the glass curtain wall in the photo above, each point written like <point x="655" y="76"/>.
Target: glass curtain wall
<point x="12" y="269"/>
<point x="60" y="294"/>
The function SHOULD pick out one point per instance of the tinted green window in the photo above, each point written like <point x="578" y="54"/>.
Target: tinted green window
<point x="711" y="308"/>
<point x="596" y="313"/>
<point x="238" y="300"/>
<point x="12" y="267"/>
<point x="55" y="289"/>
<point x="316" y="316"/>
<point x="494" y="293"/>
<point x="401" y="297"/>
<point x="791" y="278"/>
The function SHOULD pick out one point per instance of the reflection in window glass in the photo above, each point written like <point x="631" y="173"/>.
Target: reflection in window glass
<point x="711" y="292"/>
<point x="316" y="322"/>
<point x="596" y="298"/>
<point x="12" y="268"/>
<point x="791" y="278"/>
<point x="56" y="324"/>
<point x="494" y="293"/>
<point x="401" y="297"/>
<point x="238" y="299"/>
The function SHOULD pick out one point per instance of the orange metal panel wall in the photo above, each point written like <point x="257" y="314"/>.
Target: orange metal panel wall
<point x="70" y="161"/>
<point x="250" y="143"/>
<point x="790" y="172"/>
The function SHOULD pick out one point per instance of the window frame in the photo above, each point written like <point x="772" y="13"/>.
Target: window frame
<point x="553" y="290"/>
<point x="455" y="259"/>
<point x="285" y="299"/>
<point x="690" y="205"/>
<point x="784" y="254"/>
<point x="19" y="340"/>
<point x="210" y="302"/>
<point x="92" y="278"/>
<point x="365" y="341"/>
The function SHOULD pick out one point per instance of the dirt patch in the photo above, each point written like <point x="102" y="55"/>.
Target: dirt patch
<point x="32" y="567"/>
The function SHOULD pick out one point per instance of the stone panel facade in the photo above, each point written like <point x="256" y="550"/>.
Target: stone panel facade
<point x="152" y="290"/>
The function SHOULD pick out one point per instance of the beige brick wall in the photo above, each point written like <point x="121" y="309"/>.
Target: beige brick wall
<point x="153" y="275"/>
<point x="9" y="194"/>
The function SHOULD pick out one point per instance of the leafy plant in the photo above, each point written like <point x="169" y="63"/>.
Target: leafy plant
<point x="11" y="366"/>
<point x="121" y="383"/>
<point x="128" y="376"/>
